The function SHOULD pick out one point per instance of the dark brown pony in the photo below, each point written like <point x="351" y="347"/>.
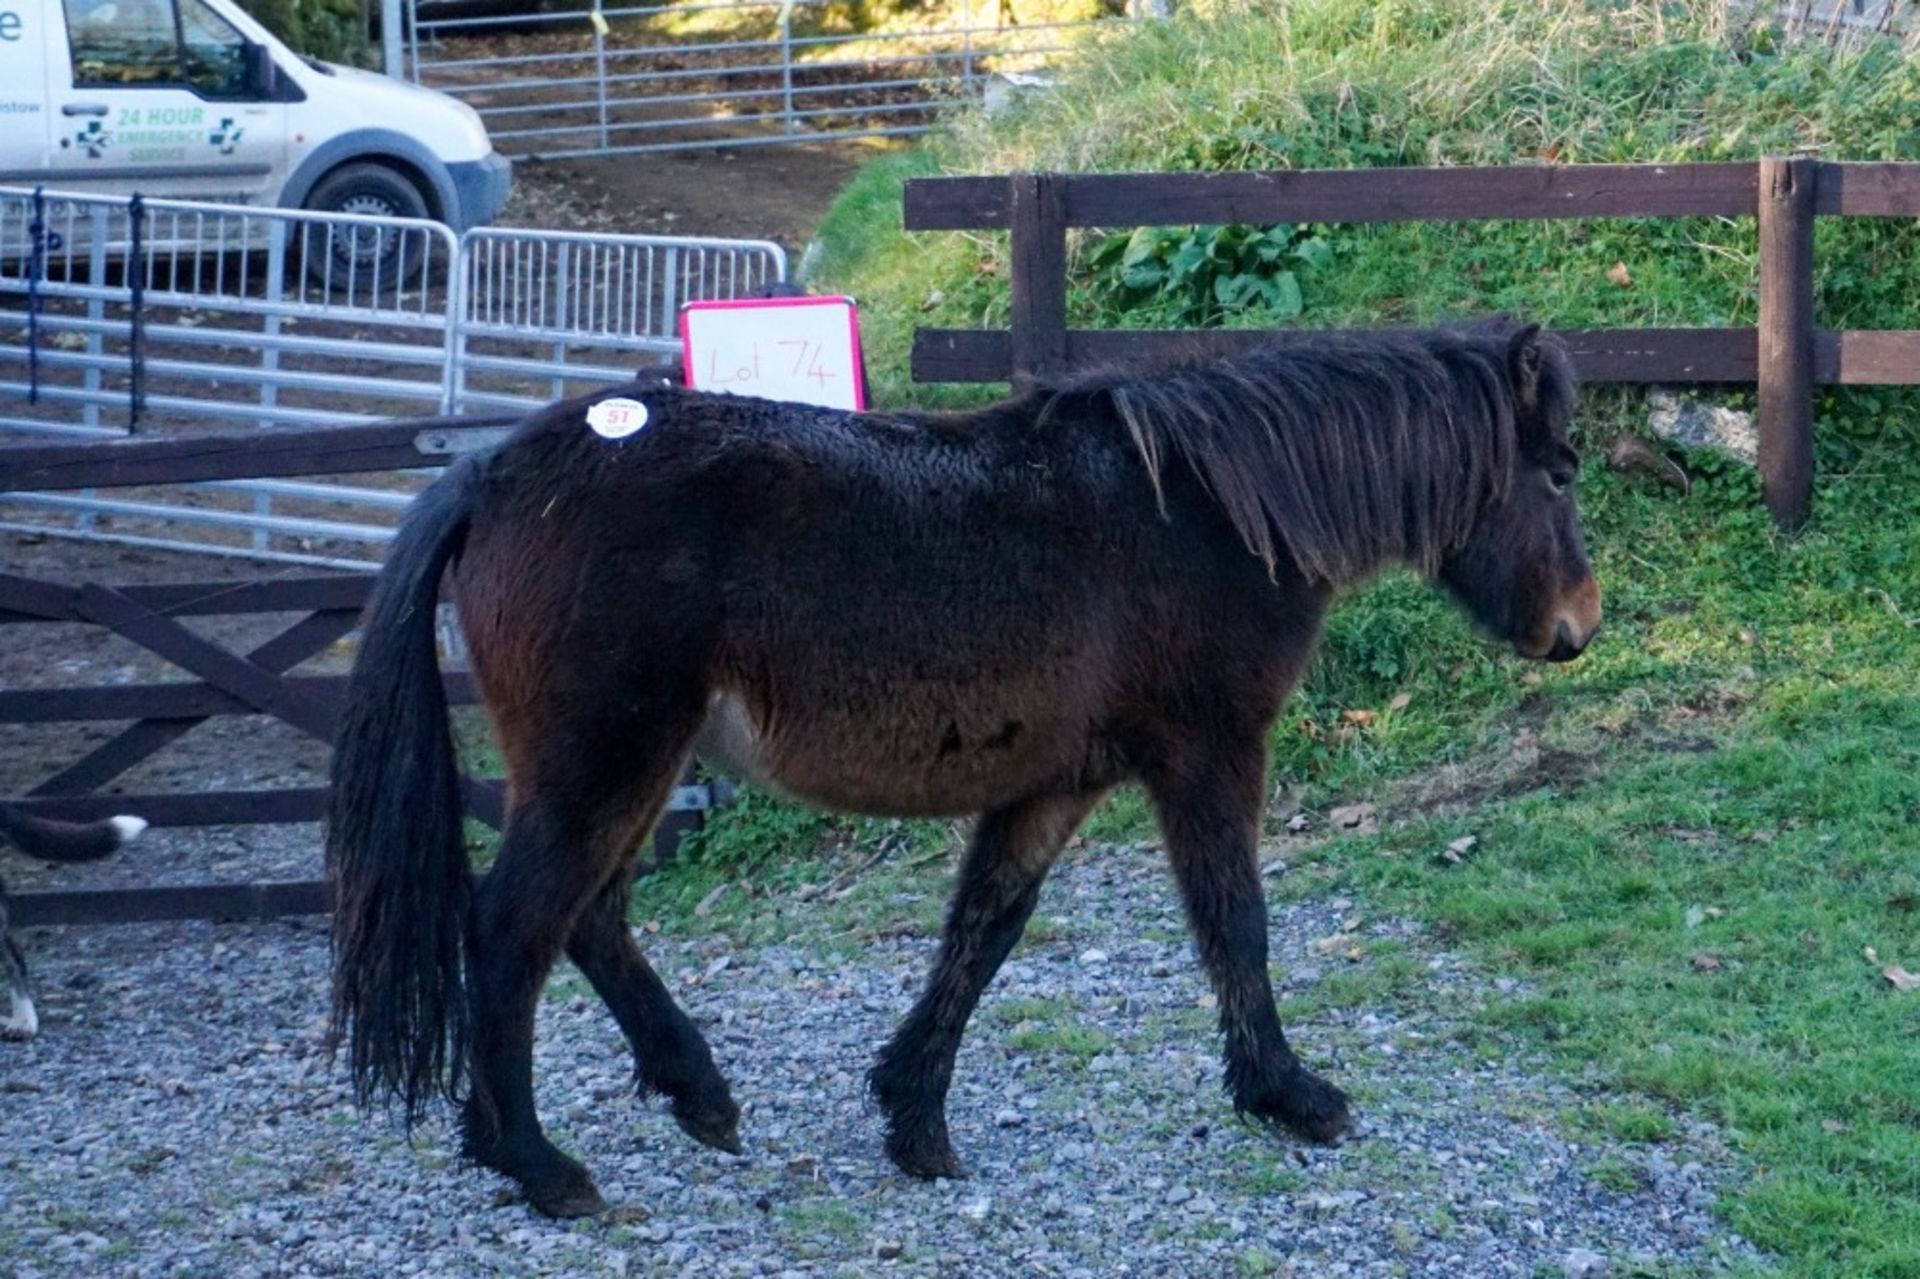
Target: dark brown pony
<point x="1007" y="612"/>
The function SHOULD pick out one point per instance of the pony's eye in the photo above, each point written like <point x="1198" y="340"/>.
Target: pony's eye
<point x="1560" y="480"/>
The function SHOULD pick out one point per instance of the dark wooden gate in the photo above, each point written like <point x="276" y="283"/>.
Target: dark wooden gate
<point x="223" y="682"/>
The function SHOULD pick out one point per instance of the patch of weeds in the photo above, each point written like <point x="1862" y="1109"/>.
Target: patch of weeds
<point x="1617" y="1174"/>
<point x="1126" y="817"/>
<point x="1623" y="1121"/>
<point x="1014" y="1011"/>
<point x="1255" y="1262"/>
<point x="1257" y="1172"/>
<point x="831" y="1218"/>
<point x="566" y="983"/>
<point x="1070" y="1041"/>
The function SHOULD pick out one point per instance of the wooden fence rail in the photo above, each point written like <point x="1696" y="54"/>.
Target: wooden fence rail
<point x="224" y="682"/>
<point x="1785" y="356"/>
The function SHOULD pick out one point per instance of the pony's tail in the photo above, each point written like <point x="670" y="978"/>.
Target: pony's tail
<point x="396" y="857"/>
<point x="52" y="841"/>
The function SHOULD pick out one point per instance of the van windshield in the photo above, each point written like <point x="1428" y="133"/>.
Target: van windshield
<point x="156" y="43"/>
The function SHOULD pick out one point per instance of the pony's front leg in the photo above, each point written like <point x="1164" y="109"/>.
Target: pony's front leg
<point x="1209" y="812"/>
<point x="1010" y="853"/>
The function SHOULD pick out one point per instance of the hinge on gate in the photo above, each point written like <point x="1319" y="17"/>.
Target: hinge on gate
<point x="467" y="440"/>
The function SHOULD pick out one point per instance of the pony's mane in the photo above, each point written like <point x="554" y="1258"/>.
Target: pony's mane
<point x="1343" y="452"/>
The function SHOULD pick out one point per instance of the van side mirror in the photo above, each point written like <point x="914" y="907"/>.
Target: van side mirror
<point x="263" y="78"/>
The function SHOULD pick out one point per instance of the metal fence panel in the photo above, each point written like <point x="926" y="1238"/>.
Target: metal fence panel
<point x="552" y="313"/>
<point x="666" y="77"/>
<point x="119" y="314"/>
<point x="123" y="314"/>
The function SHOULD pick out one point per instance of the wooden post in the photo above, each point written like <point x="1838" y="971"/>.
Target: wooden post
<point x="1787" y="190"/>
<point x="1038" y="221"/>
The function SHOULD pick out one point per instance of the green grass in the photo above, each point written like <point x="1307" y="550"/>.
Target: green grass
<point x="1691" y="900"/>
<point x="1244" y="84"/>
<point x="1617" y="1174"/>
<point x="1052" y="1029"/>
<point x="830" y="1218"/>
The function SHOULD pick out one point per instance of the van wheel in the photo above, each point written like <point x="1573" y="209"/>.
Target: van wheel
<point x="363" y="259"/>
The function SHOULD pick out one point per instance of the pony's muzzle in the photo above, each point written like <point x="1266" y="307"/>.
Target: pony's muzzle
<point x="1576" y="622"/>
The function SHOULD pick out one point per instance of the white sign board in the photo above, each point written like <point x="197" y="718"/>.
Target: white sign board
<point x="806" y="350"/>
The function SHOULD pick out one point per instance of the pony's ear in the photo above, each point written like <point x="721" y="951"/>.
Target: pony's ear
<point x="1523" y="365"/>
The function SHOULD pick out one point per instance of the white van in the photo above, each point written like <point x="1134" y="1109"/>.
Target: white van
<point x="193" y="99"/>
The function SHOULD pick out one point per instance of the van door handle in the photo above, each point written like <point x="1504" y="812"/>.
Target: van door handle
<point x="84" y="108"/>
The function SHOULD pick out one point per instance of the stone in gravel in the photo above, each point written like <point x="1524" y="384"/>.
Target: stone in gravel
<point x="1327" y="1203"/>
<point x="1009" y="1118"/>
<point x="1093" y="956"/>
<point x="889" y="1249"/>
<point x="976" y="1209"/>
<point x="803" y="1165"/>
<point x="624" y="1215"/>
<point x="1584" y="1263"/>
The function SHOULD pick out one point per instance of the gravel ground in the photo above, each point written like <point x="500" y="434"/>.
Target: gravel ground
<point x="179" y="1115"/>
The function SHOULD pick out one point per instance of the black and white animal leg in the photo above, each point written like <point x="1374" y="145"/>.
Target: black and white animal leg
<point x="19" y="1021"/>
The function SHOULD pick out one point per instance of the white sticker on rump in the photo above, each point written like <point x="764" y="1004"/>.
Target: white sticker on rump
<point x="617" y="418"/>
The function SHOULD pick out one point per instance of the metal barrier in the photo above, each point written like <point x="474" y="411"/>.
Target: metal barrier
<point x="668" y="77"/>
<point x="175" y="317"/>
<point x="550" y="313"/>
<point x="120" y="314"/>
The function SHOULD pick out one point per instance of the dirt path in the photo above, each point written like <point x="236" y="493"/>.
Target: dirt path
<point x="765" y="192"/>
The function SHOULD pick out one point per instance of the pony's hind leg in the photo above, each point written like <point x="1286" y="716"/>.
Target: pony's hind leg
<point x="669" y="1054"/>
<point x="999" y="884"/>
<point x="1210" y="816"/>
<point x="579" y="810"/>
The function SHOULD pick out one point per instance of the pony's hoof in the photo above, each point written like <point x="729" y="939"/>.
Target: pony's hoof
<point x="717" y="1128"/>
<point x="577" y="1201"/>
<point x="563" y="1188"/>
<point x="926" y="1160"/>
<point x="1311" y="1108"/>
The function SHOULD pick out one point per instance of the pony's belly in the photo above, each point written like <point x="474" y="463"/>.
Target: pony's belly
<point x="885" y="765"/>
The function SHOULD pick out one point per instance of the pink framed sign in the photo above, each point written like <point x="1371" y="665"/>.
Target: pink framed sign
<point x="805" y="350"/>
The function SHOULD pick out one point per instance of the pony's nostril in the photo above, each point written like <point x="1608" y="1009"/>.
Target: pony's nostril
<point x="1565" y="646"/>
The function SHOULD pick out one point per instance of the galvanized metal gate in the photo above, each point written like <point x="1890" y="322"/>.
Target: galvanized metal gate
<point x="121" y="315"/>
<point x="544" y="314"/>
<point x="600" y="80"/>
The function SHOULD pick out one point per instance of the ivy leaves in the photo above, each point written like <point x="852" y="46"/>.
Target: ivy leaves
<point x="1201" y="275"/>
